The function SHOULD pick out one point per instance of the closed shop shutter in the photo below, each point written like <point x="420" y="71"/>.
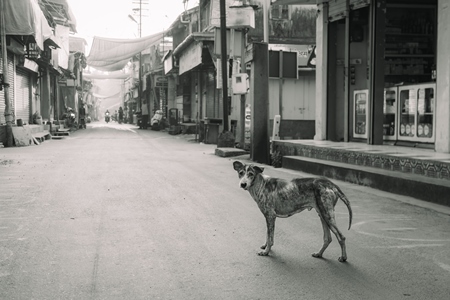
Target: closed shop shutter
<point x="336" y="10"/>
<point x="11" y="87"/>
<point x="22" y="91"/>
<point x="356" y="4"/>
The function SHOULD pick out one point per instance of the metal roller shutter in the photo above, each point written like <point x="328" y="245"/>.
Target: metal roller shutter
<point x="22" y="105"/>
<point x="356" y="4"/>
<point x="11" y="87"/>
<point x="336" y="10"/>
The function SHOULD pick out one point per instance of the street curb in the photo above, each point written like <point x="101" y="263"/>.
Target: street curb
<point x="426" y="189"/>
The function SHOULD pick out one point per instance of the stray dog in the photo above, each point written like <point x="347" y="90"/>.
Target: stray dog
<point x="277" y="197"/>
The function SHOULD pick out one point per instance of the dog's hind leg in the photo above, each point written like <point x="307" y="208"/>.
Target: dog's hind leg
<point x="326" y="238"/>
<point x="326" y="200"/>
<point x="331" y="221"/>
<point x="270" y="221"/>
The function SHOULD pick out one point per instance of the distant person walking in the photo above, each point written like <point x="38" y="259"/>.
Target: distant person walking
<point x="120" y="115"/>
<point x="82" y="115"/>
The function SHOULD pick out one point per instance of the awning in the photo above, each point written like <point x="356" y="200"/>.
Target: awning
<point x="25" y="17"/>
<point x="109" y="54"/>
<point x="51" y="42"/>
<point x="190" y="50"/>
<point x="191" y="57"/>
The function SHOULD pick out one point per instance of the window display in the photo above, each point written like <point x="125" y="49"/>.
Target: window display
<point x="410" y="44"/>
<point x="417" y="106"/>
<point x="390" y="114"/>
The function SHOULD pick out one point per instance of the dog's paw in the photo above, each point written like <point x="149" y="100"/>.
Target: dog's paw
<point x="342" y="259"/>
<point x="263" y="246"/>
<point x="263" y="253"/>
<point x="317" y="255"/>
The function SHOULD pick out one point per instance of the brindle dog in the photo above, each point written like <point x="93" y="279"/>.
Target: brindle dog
<point x="280" y="198"/>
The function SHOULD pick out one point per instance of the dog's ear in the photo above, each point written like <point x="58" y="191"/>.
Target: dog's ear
<point x="258" y="169"/>
<point x="237" y="165"/>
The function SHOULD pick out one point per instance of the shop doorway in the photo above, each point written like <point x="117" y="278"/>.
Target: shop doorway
<point x="336" y="81"/>
<point x="348" y="88"/>
<point x="359" y="70"/>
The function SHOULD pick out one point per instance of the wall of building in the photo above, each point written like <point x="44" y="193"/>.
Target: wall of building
<point x="443" y="78"/>
<point x="298" y="101"/>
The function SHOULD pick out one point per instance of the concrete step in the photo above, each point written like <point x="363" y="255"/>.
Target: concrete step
<point x="42" y="136"/>
<point x="429" y="189"/>
<point x="61" y="133"/>
<point x="230" y="152"/>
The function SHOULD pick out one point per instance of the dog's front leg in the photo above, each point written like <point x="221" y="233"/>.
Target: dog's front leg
<point x="270" y="221"/>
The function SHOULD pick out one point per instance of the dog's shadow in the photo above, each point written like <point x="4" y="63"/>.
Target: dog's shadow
<point x="313" y="268"/>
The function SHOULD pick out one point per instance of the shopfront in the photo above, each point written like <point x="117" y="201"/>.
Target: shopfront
<point x="381" y="77"/>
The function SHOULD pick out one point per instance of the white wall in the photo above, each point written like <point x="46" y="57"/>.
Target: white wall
<point x="298" y="98"/>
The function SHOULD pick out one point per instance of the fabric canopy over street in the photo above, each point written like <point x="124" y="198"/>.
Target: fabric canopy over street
<point x="109" y="54"/>
<point x="104" y="97"/>
<point x="25" y="17"/>
<point x="113" y="75"/>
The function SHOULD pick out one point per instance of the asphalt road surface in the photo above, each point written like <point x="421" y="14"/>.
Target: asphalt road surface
<point x="113" y="212"/>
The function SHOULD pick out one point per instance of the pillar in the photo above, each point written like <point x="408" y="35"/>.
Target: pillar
<point x="321" y="71"/>
<point x="259" y="151"/>
<point x="443" y="78"/>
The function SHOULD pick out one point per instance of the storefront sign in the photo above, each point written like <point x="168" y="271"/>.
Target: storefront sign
<point x="161" y="81"/>
<point x="168" y="64"/>
<point x="31" y="65"/>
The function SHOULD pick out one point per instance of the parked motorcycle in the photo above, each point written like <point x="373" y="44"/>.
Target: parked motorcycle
<point x="156" y="120"/>
<point x="107" y="117"/>
<point x="70" y="118"/>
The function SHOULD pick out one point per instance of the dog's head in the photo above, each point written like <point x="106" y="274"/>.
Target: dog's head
<point x="247" y="173"/>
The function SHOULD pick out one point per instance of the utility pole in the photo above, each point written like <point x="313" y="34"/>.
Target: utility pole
<point x="8" y="115"/>
<point x="224" y="61"/>
<point x="226" y="138"/>
<point x="140" y="68"/>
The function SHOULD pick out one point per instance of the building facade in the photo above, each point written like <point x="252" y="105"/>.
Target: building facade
<point x="382" y="72"/>
<point x="40" y="63"/>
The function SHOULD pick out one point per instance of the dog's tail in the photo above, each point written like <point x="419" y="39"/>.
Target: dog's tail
<point x="344" y="199"/>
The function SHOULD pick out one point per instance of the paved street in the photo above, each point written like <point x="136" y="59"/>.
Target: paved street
<point x="113" y="212"/>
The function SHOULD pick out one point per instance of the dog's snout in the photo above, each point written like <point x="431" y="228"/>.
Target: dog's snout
<point x="243" y="185"/>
